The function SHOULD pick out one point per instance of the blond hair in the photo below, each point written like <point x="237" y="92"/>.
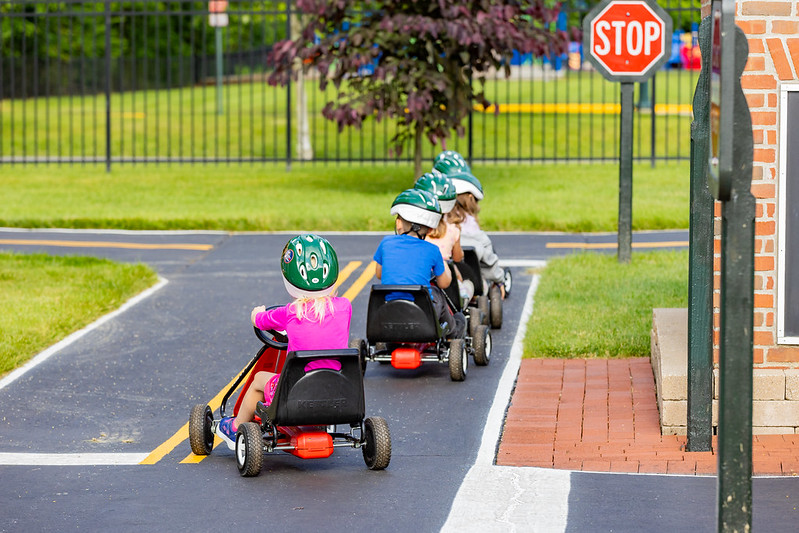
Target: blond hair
<point x="440" y="231"/>
<point x="313" y="309"/>
<point x="469" y="203"/>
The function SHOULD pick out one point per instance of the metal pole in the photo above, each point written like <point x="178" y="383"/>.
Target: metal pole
<point x="108" y="86"/>
<point x="734" y="491"/>
<point x="652" y="125"/>
<point x="700" y="266"/>
<point x="626" y="173"/>
<point x="219" y="71"/>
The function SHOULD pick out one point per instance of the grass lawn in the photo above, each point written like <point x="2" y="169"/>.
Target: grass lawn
<point x="43" y="299"/>
<point x="519" y="197"/>
<point x="589" y="305"/>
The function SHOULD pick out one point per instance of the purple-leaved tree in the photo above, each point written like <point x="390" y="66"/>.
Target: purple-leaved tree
<point x="425" y="56"/>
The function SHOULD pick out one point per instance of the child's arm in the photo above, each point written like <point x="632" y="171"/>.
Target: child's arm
<point x="255" y="311"/>
<point x="444" y="279"/>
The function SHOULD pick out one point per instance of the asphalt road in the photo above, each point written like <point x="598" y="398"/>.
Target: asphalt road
<point x="75" y="427"/>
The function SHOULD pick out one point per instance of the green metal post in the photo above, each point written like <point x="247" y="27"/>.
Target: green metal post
<point x="700" y="265"/>
<point x="219" y="70"/>
<point x="626" y="174"/>
<point x="734" y="491"/>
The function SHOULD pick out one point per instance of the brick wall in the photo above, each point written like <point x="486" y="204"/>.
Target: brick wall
<point x="772" y="29"/>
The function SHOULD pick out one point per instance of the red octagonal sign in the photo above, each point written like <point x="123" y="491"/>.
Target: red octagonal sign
<point x="627" y="40"/>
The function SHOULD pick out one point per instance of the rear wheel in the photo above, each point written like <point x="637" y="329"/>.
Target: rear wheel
<point x="360" y="345"/>
<point x="458" y="360"/>
<point x="484" y="306"/>
<point x="481" y="342"/>
<point x="377" y="443"/>
<point x="495" y="294"/>
<point x="201" y="438"/>
<point x="474" y="320"/>
<point x="249" y="449"/>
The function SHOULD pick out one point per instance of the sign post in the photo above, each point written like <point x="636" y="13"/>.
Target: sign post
<point x="218" y="19"/>
<point x="626" y="41"/>
<point x="730" y="181"/>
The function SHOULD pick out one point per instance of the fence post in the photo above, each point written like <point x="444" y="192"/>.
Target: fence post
<point x="700" y="266"/>
<point x="108" y="86"/>
<point x="288" y="93"/>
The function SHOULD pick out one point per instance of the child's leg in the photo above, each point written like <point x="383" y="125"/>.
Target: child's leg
<point x="455" y="323"/>
<point x="253" y="395"/>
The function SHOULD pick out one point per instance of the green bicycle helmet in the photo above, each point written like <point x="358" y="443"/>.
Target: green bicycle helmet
<point x="418" y="207"/>
<point x="461" y="177"/>
<point x="454" y="156"/>
<point x="440" y="186"/>
<point x="310" y="266"/>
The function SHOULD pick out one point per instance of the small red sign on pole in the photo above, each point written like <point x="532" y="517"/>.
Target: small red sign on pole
<point x="217" y="13"/>
<point x="627" y="40"/>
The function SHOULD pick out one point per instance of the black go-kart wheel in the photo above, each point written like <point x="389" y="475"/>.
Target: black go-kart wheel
<point x="360" y="345"/>
<point x="495" y="296"/>
<point x="484" y="306"/>
<point x="376" y="443"/>
<point x="201" y="438"/>
<point x="474" y="320"/>
<point x="508" y="282"/>
<point x="458" y="360"/>
<point x="481" y="343"/>
<point x="249" y="449"/>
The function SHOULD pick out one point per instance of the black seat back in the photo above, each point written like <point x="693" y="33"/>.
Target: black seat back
<point x="410" y="319"/>
<point x="453" y="291"/>
<point x="319" y="397"/>
<point x="470" y="269"/>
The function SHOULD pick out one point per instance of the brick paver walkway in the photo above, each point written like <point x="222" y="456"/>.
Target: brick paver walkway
<point x="601" y="415"/>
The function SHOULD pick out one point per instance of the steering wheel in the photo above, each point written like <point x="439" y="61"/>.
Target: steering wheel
<point x="272" y="338"/>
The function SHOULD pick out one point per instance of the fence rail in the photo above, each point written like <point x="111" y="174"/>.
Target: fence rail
<point x="152" y="82"/>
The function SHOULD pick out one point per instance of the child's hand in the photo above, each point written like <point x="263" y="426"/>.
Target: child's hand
<point x="255" y="311"/>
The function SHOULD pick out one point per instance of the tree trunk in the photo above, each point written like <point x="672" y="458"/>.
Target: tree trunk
<point x="417" y="150"/>
<point x="304" y="149"/>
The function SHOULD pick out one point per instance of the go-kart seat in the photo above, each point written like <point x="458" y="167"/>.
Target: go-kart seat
<point x="322" y="396"/>
<point x="470" y="269"/>
<point x="411" y="319"/>
<point x="453" y="291"/>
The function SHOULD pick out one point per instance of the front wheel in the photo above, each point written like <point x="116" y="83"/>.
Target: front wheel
<point x="458" y="360"/>
<point x="508" y="282"/>
<point x="201" y="438"/>
<point x="484" y="306"/>
<point x="481" y="342"/>
<point x="377" y="443"/>
<point x="495" y="295"/>
<point x="249" y="449"/>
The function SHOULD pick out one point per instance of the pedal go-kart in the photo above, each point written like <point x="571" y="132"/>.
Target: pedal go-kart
<point x="406" y="333"/>
<point x="303" y="417"/>
<point x="489" y="305"/>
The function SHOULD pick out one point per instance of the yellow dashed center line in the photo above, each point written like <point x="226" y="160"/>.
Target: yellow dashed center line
<point x="609" y="245"/>
<point x="107" y="244"/>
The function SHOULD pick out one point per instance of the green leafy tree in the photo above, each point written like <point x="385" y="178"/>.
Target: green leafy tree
<point x="421" y="62"/>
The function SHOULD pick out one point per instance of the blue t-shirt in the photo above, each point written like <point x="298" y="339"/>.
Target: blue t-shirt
<point x="408" y="260"/>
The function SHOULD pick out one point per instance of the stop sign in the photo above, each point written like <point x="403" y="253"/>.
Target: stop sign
<point x="627" y="40"/>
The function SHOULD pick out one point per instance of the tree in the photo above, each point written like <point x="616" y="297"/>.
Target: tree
<point x="413" y="60"/>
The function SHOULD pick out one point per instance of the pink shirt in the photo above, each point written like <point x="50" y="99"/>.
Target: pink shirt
<point x="447" y="242"/>
<point x="332" y="333"/>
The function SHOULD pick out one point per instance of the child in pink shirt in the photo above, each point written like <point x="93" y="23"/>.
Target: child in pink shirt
<point x="315" y="320"/>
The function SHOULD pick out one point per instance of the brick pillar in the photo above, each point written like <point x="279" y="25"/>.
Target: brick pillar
<point x="772" y="30"/>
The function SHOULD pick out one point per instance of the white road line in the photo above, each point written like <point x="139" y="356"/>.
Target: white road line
<point x="508" y="499"/>
<point x="63" y="343"/>
<point x="71" y="459"/>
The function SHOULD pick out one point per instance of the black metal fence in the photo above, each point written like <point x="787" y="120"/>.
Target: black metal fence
<point x="141" y="82"/>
